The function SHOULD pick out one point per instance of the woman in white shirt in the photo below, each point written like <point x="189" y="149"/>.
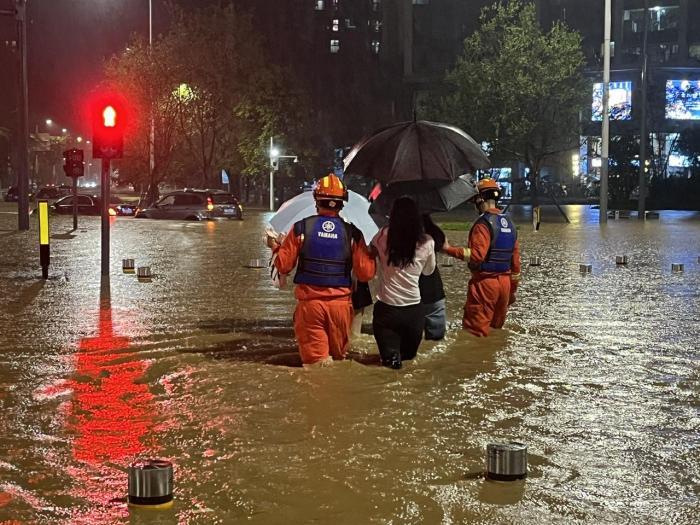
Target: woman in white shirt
<point x="405" y="252"/>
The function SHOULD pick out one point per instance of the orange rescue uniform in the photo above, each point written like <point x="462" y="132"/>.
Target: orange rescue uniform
<point x="489" y="293"/>
<point x="323" y="315"/>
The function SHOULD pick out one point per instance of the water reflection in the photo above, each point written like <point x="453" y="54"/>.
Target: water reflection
<point x="111" y="415"/>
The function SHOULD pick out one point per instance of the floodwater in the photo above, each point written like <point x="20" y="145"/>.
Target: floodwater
<point x="597" y="374"/>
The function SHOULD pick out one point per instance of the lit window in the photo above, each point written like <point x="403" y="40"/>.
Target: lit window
<point x="335" y="4"/>
<point x="376" y="25"/>
<point x="375" y="46"/>
<point x="320" y="5"/>
<point x="336" y="24"/>
<point x="335" y="46"/>
<point x="349" y="24"/>
<point x="421" y="2"/>
<point x="376" y="4"/>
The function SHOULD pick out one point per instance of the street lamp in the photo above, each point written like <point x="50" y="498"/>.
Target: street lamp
<point x="49" y="121"/>
<point x="64" y="130"/>
<point x="274" y="165"/>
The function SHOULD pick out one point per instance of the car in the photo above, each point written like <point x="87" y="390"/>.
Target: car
<point x="12" y="195"/>
<point x="194" y="205"/>
<point x="52" y="192"/>
<point x="91" y="205"/>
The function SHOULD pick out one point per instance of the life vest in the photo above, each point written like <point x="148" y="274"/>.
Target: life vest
<point x="503" y="237"/>
<point x="325" y="258"/>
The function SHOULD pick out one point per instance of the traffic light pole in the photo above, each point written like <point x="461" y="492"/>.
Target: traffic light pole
<point x="23" y="138"/>
<point x="105" y="181"/>
<point x="75" y="203"/>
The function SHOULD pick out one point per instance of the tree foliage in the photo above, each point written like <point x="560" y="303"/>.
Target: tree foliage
<point x="517" y="87"/>
<point x="215" y="95"/>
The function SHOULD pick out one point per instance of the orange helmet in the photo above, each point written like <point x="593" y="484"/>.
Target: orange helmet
<point x="489" y="189"/>
<point x="330" y="188"/>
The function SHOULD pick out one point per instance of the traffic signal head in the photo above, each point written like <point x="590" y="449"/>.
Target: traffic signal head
<point x="73" y="165"/>
<point x="108" y="129"/>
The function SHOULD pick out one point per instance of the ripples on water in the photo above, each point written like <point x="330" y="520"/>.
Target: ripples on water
<point x="597" y="373"/>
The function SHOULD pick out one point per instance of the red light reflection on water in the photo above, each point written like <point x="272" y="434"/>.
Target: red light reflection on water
<point x="111" y="414"/>
<point x="112" y="410"/>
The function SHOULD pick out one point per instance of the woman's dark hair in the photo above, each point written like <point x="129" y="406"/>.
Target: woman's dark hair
<point x="434" y="231"/>
<point x="405" y="231"/>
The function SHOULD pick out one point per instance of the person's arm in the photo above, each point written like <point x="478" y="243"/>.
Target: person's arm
<point x="287" y="252"/>
<point x="456" y="251"/>
<point x="430" y="262"/>
<point x="363" y="263"/>
<point x="479" y="244"/>
<point x="514" y="272"/>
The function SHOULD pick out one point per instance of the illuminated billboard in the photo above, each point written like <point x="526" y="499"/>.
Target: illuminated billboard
<point x="620" y="101"/>
<point x="683" y="99"/>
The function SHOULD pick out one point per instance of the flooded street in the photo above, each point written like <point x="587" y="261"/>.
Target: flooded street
<point x="598" y="374"/>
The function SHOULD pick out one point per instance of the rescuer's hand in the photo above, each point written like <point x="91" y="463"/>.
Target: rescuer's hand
<point x="271" y="242"/>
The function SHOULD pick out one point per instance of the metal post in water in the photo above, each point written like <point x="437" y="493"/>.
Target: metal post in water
<point x="506" y="461"/>
<point x="151" y="483"/>
<point x="585" y="268"/>
<point x="75" y="203"/>
<point x="105" y="182"/>
<point x="535" y="261"/>
<point x="605" y="132"/>
<point x="44" y="246"/>
<point x="677" y="267"/>
<point x="621" y="259"/>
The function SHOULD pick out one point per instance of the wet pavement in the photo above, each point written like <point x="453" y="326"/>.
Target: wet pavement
<point x="597" y="373"/>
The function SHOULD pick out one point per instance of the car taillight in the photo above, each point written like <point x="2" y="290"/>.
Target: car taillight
<point x="210" y="204"/>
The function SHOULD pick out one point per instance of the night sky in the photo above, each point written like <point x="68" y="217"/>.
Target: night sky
<point x="68" y="43"/>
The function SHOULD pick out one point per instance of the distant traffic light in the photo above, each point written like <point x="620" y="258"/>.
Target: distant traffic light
<point x="74" y="165"/>
<point x="107" y="130"/>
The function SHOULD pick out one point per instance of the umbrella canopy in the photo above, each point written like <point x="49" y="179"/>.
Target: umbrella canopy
<point x="304" y="205"/>
<point x="431" y="200"/>
<point x="428" y="154"/>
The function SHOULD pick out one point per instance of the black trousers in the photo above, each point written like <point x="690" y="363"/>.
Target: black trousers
<point x="398" y="330"/>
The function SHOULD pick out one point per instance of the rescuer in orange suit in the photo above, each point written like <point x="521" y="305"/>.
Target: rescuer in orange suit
<point x="493" y="256"/>
<point x="326" y="250"/>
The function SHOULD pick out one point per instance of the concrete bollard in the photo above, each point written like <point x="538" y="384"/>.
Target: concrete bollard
<point x="621" y="259"/>
<point x="151" y="483"/>
<point x="128" y="265"/>
<point x="585" y="268"/>
<point x="535" y="261"/>
<point x="677" y="267"/>
<point x="143" y="273"/>
<point x="506" y="461"/>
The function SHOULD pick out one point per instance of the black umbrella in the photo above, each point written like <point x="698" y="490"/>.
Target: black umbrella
<point x="420" y="152"/>
<point x="431" y="200"/>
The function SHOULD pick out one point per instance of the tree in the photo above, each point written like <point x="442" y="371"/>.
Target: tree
<point x="148" y="78"/>
<point x="519" y="88"/>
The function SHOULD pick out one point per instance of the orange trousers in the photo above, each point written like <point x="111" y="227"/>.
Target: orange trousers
<point x="322" y="329"/>
<point x="487" y="303"/>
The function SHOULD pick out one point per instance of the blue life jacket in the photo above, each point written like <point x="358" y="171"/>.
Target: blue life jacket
<point x="325" y="258"/>
<point x="503" y="237"/>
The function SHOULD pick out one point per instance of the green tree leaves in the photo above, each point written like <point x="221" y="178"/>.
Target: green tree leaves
<point x="517" y="87"/>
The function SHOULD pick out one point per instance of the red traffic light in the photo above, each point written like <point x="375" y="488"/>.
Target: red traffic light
<point x="108" y="128"/>
<point x="109" y="117"/>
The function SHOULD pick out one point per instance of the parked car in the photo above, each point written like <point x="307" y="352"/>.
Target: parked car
<point x="194" y="205"/>
<point x="91" y="205"/>
<point x="12" y="195"/>
<point x="52" y="192"/>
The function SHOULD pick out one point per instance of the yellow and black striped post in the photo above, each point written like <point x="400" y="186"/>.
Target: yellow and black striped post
<point x="44" y="248"/>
